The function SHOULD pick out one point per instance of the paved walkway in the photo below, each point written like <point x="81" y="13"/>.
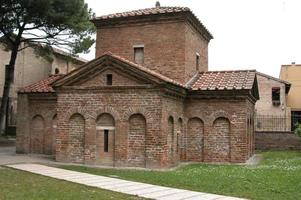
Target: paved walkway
<point x="118" y="185"/>
<point x="8" y="156"/>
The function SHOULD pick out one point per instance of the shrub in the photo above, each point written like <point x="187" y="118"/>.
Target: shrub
<point x="297" y="129"/>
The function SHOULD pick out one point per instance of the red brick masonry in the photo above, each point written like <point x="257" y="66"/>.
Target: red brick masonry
<point x="154" y="115"/>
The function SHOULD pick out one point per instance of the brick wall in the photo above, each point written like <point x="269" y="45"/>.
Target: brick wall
<point x="195" y="139"/>
<point x="223" y="119"/>
<point x="219" y="141"/>
<point x="194" y="44"/>
<point x="147" y="128"/>
<point x="118" y="79"/>
<point x="172" y="115"/>
<point x="136" y="140"/>
<point x="37" y="134"/>
<point x="120" y="104"/>
<point x="277" y="141"/>
<point x="36" y="124"/>
<point x="161" y="53"/>
<point x="76" y="138"/>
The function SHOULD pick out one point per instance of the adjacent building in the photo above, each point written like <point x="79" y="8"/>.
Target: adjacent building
<point x="147" y="100"/>
<point x="272" y="112"/>
<point x="292" y="74"/>
<point x="274" y="118"/>
<point x="30" y="68"/>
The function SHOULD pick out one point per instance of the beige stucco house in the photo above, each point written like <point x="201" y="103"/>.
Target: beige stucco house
<point x="292" y="74"/>
<point x="272" y="111"/>
<point x="30" y="68"/>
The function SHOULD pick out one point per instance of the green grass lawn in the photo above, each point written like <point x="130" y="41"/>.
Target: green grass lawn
<point x="18" y="185"/>
<point x="277" y="177"/>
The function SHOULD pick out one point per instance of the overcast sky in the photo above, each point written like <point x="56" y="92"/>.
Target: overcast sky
<point x="248" y="34"/>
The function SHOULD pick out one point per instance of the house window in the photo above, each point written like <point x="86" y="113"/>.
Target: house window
<point x="56" y="71"/>
<point x="139" y="54"/>
<point x="106" y="141"/>
<point x="197" y="61"/>
<point x="276" y="96"/>
<point x="109" y="79"/>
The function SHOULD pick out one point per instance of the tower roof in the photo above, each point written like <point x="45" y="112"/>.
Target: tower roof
<point x="157" y="11"/>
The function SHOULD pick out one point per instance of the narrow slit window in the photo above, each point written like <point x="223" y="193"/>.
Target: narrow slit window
<point x="197" y="62"/>
<point x="109" y="79"/>
<point x="106" y="141"/>
<point x="139" y="55"/>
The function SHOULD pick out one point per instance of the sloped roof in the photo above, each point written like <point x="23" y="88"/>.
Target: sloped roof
<point x="160" y="10"/>
<point x="274" y="78"/>
<point x="42" y="86"/>
<point x="224" y="80"/>
<point x="287" y="84"/>
<point x="146" y="11"/>
<point x="130" y="64"/>
<point x="55" y="50"/>
<point x="203" y="81"/>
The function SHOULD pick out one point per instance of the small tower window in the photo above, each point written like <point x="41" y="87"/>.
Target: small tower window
<point x="197" y="61"/>
<point x="139" y="54"/>
<point x="109" y="79"/>
<point x="56" y="71"/>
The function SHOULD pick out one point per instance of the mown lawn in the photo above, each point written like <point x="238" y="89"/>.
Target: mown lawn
<point x="18" y="185"/>
<point x="277" y="177"/>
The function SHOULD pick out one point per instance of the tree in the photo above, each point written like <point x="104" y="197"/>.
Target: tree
<point x="60" y="23"/>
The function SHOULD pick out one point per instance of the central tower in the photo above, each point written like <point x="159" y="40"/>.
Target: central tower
<point x="168" y="40"/>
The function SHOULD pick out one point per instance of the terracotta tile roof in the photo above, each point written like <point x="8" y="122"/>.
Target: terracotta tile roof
<point x="212" y="80"/>
<point x="146" y="11"/>
<point x="154" y="11"/>
<point x="42" y="86"/>
<point x="224" y="80"/>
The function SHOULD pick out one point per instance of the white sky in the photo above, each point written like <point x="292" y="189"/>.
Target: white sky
<point x="248" y="34"/>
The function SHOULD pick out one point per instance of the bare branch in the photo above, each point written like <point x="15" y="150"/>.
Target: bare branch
<point x="24" y="48"/>
<point x="35" y="27"/>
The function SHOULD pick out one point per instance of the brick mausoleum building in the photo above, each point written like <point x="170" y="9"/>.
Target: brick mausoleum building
<point x="147" y="100"/>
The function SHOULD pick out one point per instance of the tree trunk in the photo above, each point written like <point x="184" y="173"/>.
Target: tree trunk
<point x="10" y="69"/>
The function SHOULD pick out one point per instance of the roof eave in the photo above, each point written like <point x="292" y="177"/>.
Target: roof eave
<point x="183" y="15"/>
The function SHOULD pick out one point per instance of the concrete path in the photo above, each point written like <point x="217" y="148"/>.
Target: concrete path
<point x="8" y="156"/>
<point x="118" y="185"/>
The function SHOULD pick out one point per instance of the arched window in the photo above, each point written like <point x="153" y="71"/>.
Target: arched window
<point x="181" y="140"/>
<point x="76" y="138"/>
<point x="220" y="140"/>
<point x="136" y="140"/>
<point x="195" y="139"/>
<point x="105" y="139"/>
<point x="171" y="137"/>
<point x="54" y="133"/>
<point x="37" y="134"/>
